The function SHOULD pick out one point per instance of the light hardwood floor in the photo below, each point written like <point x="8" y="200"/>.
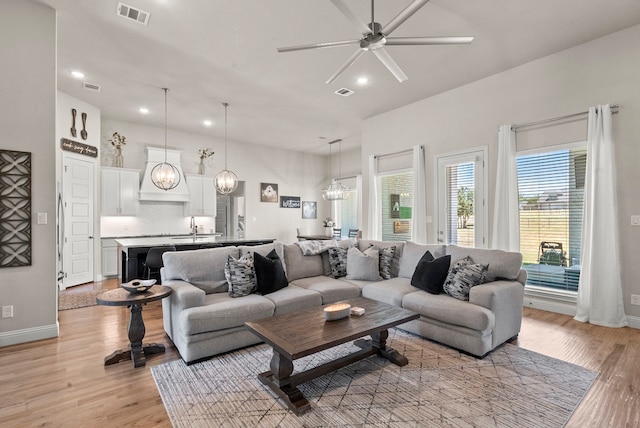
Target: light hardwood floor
<point x="63" y="382"/>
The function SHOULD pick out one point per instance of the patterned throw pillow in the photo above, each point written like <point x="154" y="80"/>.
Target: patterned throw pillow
<point x="468" y="276"/>
<point x="241" y="275"/>
<point x="453" y="270"/>
<point x="386" y="257"/>
<point x="338" y="261"/>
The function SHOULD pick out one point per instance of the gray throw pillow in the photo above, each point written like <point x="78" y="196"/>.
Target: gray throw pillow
<point x="386" y="259"/>
<point x="241" y="275"/>
<point x="363" y="266"/>
<point x="412" y="253"/>
<point x="455" y="267"/>
<point x="468" y="276"/>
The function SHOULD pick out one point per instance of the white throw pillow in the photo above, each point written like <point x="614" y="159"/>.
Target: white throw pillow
<point x="363" y="266"/>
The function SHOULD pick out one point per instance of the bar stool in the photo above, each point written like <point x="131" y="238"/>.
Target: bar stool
<point x="153" y="262"/>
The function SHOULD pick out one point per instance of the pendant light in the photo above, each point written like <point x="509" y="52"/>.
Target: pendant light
<point x="226" y="181"/>
<point x="336" y="191"/>
<point x="165" y="176"/>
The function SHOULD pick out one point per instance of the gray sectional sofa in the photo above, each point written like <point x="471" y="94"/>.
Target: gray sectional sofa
<point x="203" y="320"/>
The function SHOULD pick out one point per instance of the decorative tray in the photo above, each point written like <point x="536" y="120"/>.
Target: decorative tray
<point x="138" y="285"/>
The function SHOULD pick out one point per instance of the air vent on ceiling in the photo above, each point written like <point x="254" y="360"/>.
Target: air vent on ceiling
<point x="129" y="12"/>
<point x="91" y="86"/>
<point x="344" y="92"/>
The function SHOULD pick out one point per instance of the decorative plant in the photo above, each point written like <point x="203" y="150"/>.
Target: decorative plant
<point x="205" y="153"/>
<point x="328" y="222"/>
<point x="118" y="140"/>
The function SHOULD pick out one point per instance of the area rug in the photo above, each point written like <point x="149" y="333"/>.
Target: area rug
<point x="77" y="300"/>
<point x="511" y="387"/>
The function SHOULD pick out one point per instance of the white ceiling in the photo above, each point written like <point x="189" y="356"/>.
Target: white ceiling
<point x="211" y="51"/>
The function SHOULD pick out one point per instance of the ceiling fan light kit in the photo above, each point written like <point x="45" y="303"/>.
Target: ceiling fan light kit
<point x="375" y="37"/>
<point x="226" y="181"/>
<point x="164" y="175"/>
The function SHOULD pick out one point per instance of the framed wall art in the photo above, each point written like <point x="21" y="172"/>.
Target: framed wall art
<point x="309" y="209"/>
<point x="268" y="192"/>
<point x="289" y="201"/>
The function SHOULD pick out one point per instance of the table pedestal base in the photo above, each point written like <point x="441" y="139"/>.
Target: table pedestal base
<point x="139" y="358"/>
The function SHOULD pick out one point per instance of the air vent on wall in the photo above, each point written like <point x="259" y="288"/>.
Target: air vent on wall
<point x="129" y="12"/>
<point x="344" y="92"/>
<point x="91" y="86"/>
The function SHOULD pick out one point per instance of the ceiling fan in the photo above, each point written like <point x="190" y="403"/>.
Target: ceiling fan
<point x="375" y="38"/>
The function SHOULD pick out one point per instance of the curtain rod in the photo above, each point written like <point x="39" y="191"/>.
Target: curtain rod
<point x="614" y="110"/>
<point x="401" y="152"/>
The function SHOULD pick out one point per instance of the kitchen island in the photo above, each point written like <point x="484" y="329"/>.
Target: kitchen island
<point x="133" y="251"/>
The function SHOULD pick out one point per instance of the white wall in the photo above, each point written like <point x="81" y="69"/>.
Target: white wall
<point x="606" y="70"/>
<point x="296" y="173"/>
<point x="27" y="123"/>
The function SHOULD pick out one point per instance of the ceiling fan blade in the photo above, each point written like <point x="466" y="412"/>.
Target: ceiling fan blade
<point x="455" y="40"/>
<point x="361" y="26"/>
<point x="391" y="65"/>
<point x="403" y="16"/>
<point x="346" y="65"/>
<point x="318" y="45"/>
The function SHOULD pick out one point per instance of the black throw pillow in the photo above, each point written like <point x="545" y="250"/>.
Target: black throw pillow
<point x="270" y="275"/>
<point x="430" y="274"/>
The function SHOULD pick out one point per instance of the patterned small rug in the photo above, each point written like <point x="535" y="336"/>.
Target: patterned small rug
<point x="78" y="300"/>
<point x="440" y="387"/>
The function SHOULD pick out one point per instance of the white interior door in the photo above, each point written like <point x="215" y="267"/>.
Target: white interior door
<point x="78" y="201"/>
<point x="462" y="212"/>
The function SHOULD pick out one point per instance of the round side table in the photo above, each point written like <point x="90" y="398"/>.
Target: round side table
<point x="136" y="351"/>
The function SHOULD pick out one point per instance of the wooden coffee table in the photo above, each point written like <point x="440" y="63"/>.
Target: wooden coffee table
<point x="136" y="351"/>
<point x="299" y="334"/>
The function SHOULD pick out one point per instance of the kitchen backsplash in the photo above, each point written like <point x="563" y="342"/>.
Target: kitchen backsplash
<point x="154" y="218"/>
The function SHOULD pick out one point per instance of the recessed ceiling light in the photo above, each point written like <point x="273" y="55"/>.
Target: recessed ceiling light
<point x="363" y="80"/>
<point x="207" y="122"/>
<point x="77" y="74"/>
<point x="143" y="110"/>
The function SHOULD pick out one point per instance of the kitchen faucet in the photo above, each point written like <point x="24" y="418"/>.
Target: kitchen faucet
<point x="194" y="228"/>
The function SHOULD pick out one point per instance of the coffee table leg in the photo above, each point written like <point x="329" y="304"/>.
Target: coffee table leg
<point x="278" y="379"/>
<point x="136" y="334"/>
<point x="379" y="342"/>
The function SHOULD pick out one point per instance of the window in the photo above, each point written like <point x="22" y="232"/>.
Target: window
<point x="396" y="200"/>
<point x="551" y="198"/>
<point x="346" y="211"/>
<point x="461" y="209"/>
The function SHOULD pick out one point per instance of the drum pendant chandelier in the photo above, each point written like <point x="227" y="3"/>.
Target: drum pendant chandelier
<point x="226" y="181"/>
<point x="165" y="176"/>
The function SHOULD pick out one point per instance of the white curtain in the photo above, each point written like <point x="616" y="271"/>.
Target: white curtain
<point x="373" y="228"/>
<point x="600" y="287"/>
<point x="419" y="208"/>
<point x="359" y="201"/>
<point x="506" y="222"/>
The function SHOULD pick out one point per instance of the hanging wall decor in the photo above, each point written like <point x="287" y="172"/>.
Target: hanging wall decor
<point x="289" y="201"/>
<point x="15" y="208"/>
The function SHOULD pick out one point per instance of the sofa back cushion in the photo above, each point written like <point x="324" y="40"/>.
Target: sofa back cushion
<point x="298" y="265"/>
<point x="202" y="268"/>
<point x="363" y="244"/>
<point x="502" y="264"/>
<point x="412" y="253"/>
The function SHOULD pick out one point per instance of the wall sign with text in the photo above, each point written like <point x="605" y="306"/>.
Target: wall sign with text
<point x="289" y="201"/>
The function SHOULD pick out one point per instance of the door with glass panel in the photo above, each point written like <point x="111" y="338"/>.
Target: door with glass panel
<point x="461" y="213"/>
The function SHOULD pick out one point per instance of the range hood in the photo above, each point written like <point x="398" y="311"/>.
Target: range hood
<point x="149" y="191"/>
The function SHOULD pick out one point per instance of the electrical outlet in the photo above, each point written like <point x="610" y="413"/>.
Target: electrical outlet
<point x="635" y="299"/>
<point x="7" y="311"/>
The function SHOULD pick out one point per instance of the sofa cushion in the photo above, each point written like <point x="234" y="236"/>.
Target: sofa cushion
<point x="445" y="308"/>
<point x="390" y="291"/>
<point x="293" y="298"/>
<point x="364" y="266"/>
<point x="338" y="261"/>
<point x="363" y="244"/>
<point x="202" y="268"/>
<point x="299" y="265"/>
<point x="431" y="273"/>
<point x="332" y="290"/>
<point x="467" y="276"/>
<point x="502" y="264"/>
<point x="270" y="275"/>
<point x="241" y="276"/>
<point x="412" y="253"/>
<point x="222" y="311"/>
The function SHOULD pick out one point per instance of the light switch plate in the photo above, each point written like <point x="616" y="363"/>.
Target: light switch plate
<point x="42" y="218"/>
<point x="635" y="220"/>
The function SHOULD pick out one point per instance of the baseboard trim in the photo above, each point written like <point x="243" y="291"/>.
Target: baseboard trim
<point x="29" y="334"/>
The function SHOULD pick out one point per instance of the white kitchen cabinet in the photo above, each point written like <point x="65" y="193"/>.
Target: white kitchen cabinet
<point x="109" y="257"/>
<point x="202" y="196"/>
<point x="119" y="191"/>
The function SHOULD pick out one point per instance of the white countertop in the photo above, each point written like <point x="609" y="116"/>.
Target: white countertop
<point x="156" y="241"/>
